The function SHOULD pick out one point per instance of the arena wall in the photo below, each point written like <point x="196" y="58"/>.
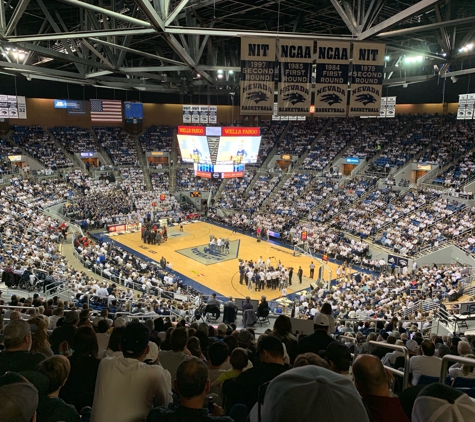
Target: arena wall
<point x="41" y="111"/>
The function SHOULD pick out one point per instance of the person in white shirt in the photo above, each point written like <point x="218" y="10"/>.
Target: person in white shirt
<point x="126" y="387"/>
<point x="427" y="364"/>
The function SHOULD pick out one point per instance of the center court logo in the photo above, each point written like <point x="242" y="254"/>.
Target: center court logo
<point x="257" y="96"/>
<point x="294" y="98"/>
<point x="365" y="99"/>
<point x="331" y="99"/>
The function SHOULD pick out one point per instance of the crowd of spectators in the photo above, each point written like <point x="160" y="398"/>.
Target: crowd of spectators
<point x="118" y="144"/>
<point x="75" y="139"/>
<point x="270" y="133"/>
<point x="157" y="138"/>
<point x="336" y="137"/>
<point x="38" y="143"/>
<point x="300" y="136"/>
<point x="233" y="195"/>
<point x="186" y="180"/>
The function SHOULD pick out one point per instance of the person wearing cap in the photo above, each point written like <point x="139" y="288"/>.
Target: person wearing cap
<point x="319" y="340"/>
<point x="310" y="393"/>
<point x="426" y="364"/>
<point x="338" y="357"/>
<point x="193" y="386"/>
<point x="17" y="356"/>
<point x="371" y="381"/>
<point x="126" y="387"/>
<point x="244" y="389"/>
<point x="18" y="399"/>
<point x="441" y="403"/>
<point x="65" y="332"/>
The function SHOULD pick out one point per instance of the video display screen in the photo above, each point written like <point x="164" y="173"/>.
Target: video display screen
<point x="194" y="149"/>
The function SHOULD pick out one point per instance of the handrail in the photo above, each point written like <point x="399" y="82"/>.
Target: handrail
<point x="452" y="358"/>
<point x="405" y="374"/>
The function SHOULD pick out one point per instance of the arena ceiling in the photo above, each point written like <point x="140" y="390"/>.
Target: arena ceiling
<point x="193" y="46"/>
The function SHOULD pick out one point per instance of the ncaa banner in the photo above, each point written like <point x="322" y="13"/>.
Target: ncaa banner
<point x="195" y="114"/>
<point x="367" y="79"/>
<point x="187" y="114"/>
<point x="295" y="82"/>
<point x="383" y="107"/>
<point x="390" y="107"/>
<point x="257" y="75"/>
<point x="331" y="83"/>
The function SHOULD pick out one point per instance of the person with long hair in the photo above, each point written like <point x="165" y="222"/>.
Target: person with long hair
<point x="283" y="331"/>
<point x="39" y="337"/>
<point x="79" y="389"/>
<point x="327" y="310"/>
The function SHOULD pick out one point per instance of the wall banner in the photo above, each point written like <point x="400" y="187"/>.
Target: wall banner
<point x="257" y="75"/>
<point x="331" y="83"/>
<point x="470" y="106"/>
<point x="12" y="107"/>
<point x="195" y="114"/>
<point x="295" y="82"/>
<point x="213" y="113"/>
<point x="391" y="107"/>
<point x="367" y="79"/>
<point x="203" y="114"/>
<point x="187" y="114"/>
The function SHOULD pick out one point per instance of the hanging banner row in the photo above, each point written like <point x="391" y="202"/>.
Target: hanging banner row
<point x="200" y="114"/>
<point x="12" y="107"/>
<point x="332" y="77"/>
<point x="466" y="107"/>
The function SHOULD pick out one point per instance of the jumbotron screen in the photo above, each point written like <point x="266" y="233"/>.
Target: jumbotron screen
<point x="219" y="145"/>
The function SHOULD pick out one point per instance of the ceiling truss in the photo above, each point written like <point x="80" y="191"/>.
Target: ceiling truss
<point x="192" y="46"/>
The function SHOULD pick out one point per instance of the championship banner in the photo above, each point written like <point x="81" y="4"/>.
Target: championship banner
<point x="461" y="109"/>
<point x="257" y="75"/>
<point x="203" y="114"/>
<point x="383" y="107"/>
<point x="195" y="114"/>
<point x="186" y="114"/>
<point x="331" y="83"/>
<point x="390" y="107"/>
<point x="4" y="106"/>
<point x="470" y="106"/>
<point x="213" y="113"/>
<point x="12" y="107"/>
<point x="295" y="82"/>
<point x="367" y="79"/>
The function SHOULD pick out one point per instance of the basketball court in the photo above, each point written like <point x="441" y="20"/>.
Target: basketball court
<point x="190" y="255"/>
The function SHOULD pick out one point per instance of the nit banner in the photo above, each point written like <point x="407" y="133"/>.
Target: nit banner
<point x="331" y="84"/>
<point x="295" y="82"/>
<point x="367" y="79"/>
<point x="257" y="75"/>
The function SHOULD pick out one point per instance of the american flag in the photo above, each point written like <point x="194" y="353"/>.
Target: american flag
<point x="106" y="111"/>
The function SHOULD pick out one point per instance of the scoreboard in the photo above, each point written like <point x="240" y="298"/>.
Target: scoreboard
<point x="219" y="152"/>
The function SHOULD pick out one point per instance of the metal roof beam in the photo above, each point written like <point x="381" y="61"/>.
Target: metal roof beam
<point x="82" y="34"/>
<point x="419" y="7"/>
<point x="341" y="11"/>
<point x="97" y="54"/>
<point x="17" y="14"/>
<point x="107" y="12"/>
<point x="429" y="27"/>
<point x="3" y="22"/>
<point x="176" y="12"/>
<point x="138" y="52"/>
<point x="149" y="11"/>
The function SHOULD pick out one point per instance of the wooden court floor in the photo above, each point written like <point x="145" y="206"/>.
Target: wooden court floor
<point x="222" y="277"/>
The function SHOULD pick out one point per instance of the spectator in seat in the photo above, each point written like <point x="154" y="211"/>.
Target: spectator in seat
<point x="425" y="364"/>
<point x="244" y="389"/>
<point x="371" y="381"/>
<point x="319" y="340"/>
<point x="51" y="408"/>
<point x="17" y="356"/>
<point x="18" y="398"/>
<point x="192" y="385"/>
<point x="66" y="332"/>
<point x="79" y="389"/>
<point x="126" y="387"/>
<point x="339" y="358"/>
<point x="171" y="359"/>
